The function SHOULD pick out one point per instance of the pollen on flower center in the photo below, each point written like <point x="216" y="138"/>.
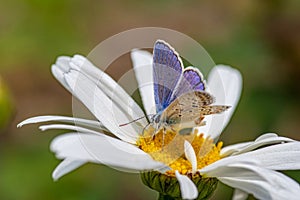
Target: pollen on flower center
<point x="168" y="148"/>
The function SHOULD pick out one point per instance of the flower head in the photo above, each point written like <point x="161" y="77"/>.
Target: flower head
<point x="193" y="162"/>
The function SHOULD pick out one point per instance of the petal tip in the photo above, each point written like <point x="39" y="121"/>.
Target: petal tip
<point x="43" y="128"/>
<point x="20" y="124"/>
<point x="25" y="122"/>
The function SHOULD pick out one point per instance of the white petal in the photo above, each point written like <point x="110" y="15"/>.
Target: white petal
<point x="190" y="155"/>
<point x="266" y="135"/>
<point x="103" y="150"/>
<point x="277" y="157"/>
<point x="284" y="156"/>
<point x="263" y="140"/>
<point x="62" y="63"/>
<point x="230" y="149"/>
<point x="78" y="70"/>
<point x="262" y="183"/>
<point x="66" y="166"/>
<point x="187" y="187"/>
<point x="110" y="87"/>
<point x="108" y="112"/>
<point x="239" y="195"/>
<point x="225" y="84"/>
<point x="59" y="68"/>
<point x="51" y="118"/>
<point x="142" y="64"/>
<point x="70" y="127"/>
<point x="215" y="169"/>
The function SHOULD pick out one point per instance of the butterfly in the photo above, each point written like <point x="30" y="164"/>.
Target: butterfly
<point x="180" y="98"/>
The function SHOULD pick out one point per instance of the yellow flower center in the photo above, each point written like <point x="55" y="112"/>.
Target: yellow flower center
<point x="168" y="148"/>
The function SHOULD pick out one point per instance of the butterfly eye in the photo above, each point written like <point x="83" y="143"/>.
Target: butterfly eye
<point x="156" y="118"/>
<point x="171" y="121"/>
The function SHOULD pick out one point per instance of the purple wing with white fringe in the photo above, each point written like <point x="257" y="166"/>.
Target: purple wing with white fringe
<point x="191" y="80"/>
<point x="180" y="95"/>
<point x="167" y="70"/>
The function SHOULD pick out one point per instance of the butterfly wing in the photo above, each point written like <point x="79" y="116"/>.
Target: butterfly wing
<point x="167" y="70"/>
<point x="192" y="80"/>
<point x="189" y="109"/>
<point x="195" y="79"/>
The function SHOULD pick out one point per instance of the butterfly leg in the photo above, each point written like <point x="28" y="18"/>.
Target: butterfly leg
<point x="199" y="121"/>
<point x="144" y="129"/>
<point x="155" y="126"/>
<point x="173" y="129"/>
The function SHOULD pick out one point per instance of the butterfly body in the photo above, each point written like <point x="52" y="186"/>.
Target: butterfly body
<point x="180" y="96"/>
<point x="187" y="111"/>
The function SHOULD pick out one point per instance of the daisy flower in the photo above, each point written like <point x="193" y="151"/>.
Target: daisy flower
<point x="178" y="166"/>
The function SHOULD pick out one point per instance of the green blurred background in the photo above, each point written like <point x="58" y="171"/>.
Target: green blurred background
<point x="261" y="38"/>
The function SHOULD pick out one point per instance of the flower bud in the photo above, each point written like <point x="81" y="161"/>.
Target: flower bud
<point x="168" y="186"/>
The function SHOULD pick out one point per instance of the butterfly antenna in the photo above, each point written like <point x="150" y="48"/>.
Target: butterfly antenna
<point x="131" y="121"/>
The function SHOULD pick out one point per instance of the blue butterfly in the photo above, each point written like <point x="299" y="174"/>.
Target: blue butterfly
<point x="180" y="97"/>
